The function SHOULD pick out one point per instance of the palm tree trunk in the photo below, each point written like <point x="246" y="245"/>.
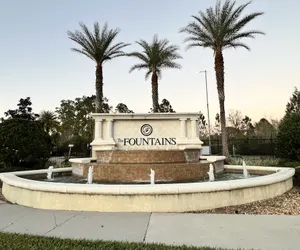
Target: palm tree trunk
<point x="219" y="68"/>
<point x="154" y="83"/>
<point x="99" y="89"/>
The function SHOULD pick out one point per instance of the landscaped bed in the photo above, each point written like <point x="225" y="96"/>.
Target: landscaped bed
<point x="26" y="242"/>
<point x="288" y="203"/>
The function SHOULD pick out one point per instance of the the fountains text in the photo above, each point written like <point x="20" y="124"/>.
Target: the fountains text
<point x="148" y="141"/>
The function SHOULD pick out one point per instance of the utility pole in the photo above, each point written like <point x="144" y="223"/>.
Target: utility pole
<point x="207" y="106"/>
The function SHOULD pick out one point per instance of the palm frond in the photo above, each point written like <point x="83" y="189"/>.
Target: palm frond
<point x="83" y="52"/>
<point x="156" y="55"/>
<point x="148" y="74"/>
<point x="116" y="50"/>
<point x="97" y="45"/>
<point x="138" y="55"/>
<point x="236" y="45"/>
<point x="138" y="67"/>
<point x="88" y="35"/>
<point x="97" y="32"/>
<point x="81" y="40"/>
<point x="220" y="26"/>
<point x="171" y="65"/>
<point x="159" y="74"/>
<point x="245" y="20"/>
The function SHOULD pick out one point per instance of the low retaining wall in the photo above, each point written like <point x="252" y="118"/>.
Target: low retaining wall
<point x="146" y="198"/>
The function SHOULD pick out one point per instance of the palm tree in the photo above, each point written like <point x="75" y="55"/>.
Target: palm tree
<point x="220" y="28"/>
<point x="49" y="121"/>
<point x="156" y="56"/>
<point x="100" y="47"/>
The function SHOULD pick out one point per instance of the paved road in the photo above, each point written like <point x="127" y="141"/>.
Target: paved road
<point x="231" y="231"/>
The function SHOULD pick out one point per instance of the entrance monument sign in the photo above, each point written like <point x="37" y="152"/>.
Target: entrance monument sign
<point x="127" y="146"/>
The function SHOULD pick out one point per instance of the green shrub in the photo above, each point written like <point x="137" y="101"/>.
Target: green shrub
<point x="24" y="143"/>
<point x="297" y="176"/>
<point x="290" y="164"/>
<point x="255" y="161"/>
<point x="51" y="163"/>
<point x="288" y="139"/>
<point x="66" y="163"/>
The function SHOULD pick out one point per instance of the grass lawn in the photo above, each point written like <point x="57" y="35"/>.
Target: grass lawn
<point x="21" y="242"/>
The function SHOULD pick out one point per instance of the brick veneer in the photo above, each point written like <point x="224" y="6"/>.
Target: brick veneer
<point x="176" y="172"/>
<point x="149" y="156"/>
<point x="252" y="171"/>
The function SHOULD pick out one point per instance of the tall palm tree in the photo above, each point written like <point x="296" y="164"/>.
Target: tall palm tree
<point x="100" y="47"/>
<point x="156" y="56"/>
<point x="220" y="28"/>
<point x="49" y="121"/>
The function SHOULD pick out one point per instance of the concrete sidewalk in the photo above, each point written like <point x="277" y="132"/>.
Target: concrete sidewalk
<point x="230" y="231"/>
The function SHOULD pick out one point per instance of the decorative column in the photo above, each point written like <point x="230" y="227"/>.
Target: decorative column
<point x="194" y="128"/>
<point x="183" y="128"/>
<point x="110" y="129"/>
<point x="98" y="129"/>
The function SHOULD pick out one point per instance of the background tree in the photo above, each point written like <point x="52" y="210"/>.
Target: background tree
<point x="156" y="56"/>
<point x="23" y="141"/>
<point x="217" y="127"/>
<point x="122" y="108"/>
<point x="202" y="124"/>
<point x="76" y="122"/>
<point x="264" y="129"/>
<point x="49" y="121"/>
<point x="164" y="107"/>
<point x="239" y="125"/>
<point x="293" y="106"/>
<point x="24" y="111"/>
<point x="235" y="119"/>
<point x="275" y="123"/>
<point x="247" y="126"/>
<point x="220" y="28"/>
<point x="100" y="47"/>
<point x="288" y="138"/>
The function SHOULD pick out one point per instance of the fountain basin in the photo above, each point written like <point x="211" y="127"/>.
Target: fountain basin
<point x="180" y="197"/>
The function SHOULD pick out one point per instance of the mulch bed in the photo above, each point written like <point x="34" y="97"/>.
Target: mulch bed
<point x="288" y="203"/>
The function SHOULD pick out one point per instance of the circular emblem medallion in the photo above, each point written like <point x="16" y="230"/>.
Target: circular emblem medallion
<point x="146" y="129"/>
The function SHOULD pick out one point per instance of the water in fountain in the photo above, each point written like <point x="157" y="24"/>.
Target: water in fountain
<point x="211" y="174"/>
<point x="90" y="175"/>
<point x="245" y="171"/>
<point x="152" y="176"/>
<point x="49" y="173"/>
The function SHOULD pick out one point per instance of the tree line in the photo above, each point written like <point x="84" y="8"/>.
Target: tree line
<point x="70" y="123"/>
<point x="28" y="139"/>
